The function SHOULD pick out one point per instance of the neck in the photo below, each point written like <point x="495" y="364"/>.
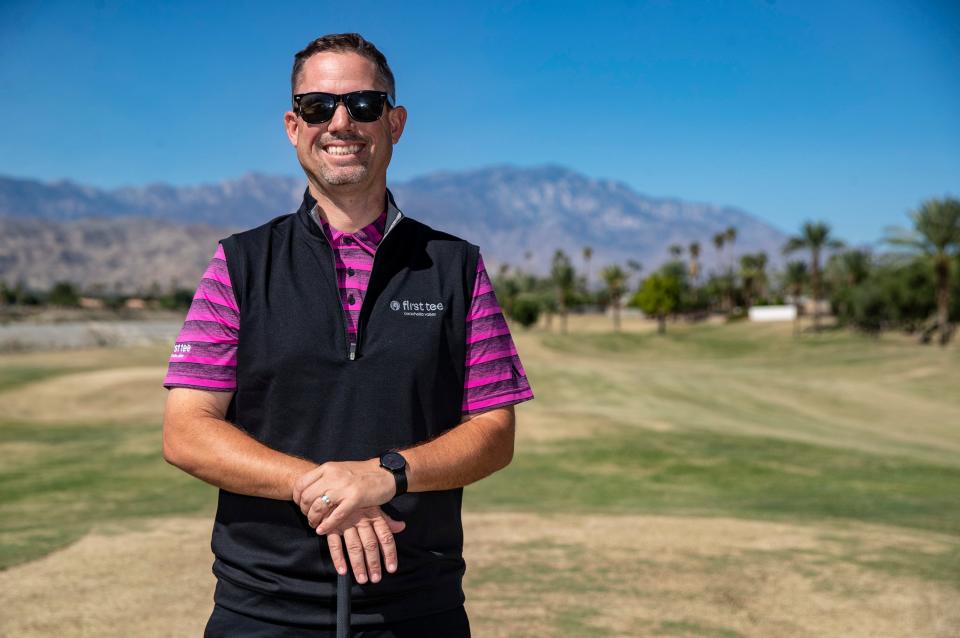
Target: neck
<point x="349" y="210"/>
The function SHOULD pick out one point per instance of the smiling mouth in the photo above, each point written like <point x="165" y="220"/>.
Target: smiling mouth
<point x="337" y="149"/>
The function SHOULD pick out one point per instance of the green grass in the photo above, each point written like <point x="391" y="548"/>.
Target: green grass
<point x="14" y="376"/>
<point x="888" y="396"/>
<point x="63" y="480"/>
<point x="821" y="429"/>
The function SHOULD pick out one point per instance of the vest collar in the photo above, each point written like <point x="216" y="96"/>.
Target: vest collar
<point x="307" y="207"/>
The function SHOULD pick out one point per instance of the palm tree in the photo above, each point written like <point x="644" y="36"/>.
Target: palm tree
<point x="936" y="235"/>
<point x="634" y="265"/>
<point x="694" y="250"/>
<point x="564" y="280"/>
<point x="795" y="279"/>
<point x="754" y="274"/>
<point x="730" y="235"/>
<point x="587" y="254"/>
<point x="814" y="236"/>
<point x="846" y="271"/>
<point x="855" y="266"/>
<point x="718" y="241"/>
<point x="675" y="250"/>
<point x="615" y="278"/>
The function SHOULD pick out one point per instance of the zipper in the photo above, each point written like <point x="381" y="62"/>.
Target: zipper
<point x="352" y="346"/>
<point x="373" y="269"/>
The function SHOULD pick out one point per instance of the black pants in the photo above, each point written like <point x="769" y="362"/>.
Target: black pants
<point x="224" y="623"/>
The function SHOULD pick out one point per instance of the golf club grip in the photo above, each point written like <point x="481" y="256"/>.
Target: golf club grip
<point x="343" y="605"/>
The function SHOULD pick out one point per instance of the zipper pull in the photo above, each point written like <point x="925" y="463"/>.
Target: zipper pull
<point x="353" y="351"/>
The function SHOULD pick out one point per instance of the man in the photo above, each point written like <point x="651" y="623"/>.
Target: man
<point x="342" y="373"/>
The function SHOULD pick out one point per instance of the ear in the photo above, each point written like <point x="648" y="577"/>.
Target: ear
<point x="291" y="123"/>
<point x="398" y="119"/>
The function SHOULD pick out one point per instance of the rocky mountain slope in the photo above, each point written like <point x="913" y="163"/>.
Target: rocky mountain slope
<point x="160" y="235"/>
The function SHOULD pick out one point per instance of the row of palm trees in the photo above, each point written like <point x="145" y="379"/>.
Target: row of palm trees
<point x="935" y="237"/>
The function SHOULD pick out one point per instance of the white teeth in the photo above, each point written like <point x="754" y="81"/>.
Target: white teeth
<point x="342" y="150"/>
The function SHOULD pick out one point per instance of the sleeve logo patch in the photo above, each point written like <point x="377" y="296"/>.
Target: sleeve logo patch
<point x="180" y="350"/>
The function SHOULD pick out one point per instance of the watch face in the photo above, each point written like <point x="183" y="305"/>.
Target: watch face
<point x="393" y="461"/>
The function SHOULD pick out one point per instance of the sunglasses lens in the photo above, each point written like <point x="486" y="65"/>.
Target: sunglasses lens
<point x="363" y="106"/>
<point x="316" y="108"/>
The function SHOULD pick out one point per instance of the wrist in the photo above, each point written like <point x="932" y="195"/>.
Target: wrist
<point x="394" y="465"/>
<point x="385" y="486"/>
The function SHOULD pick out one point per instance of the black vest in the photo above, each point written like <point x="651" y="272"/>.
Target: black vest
<point x="303" y="391"/>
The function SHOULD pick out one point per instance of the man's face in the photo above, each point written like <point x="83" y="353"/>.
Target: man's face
<point x="340" y="153"/>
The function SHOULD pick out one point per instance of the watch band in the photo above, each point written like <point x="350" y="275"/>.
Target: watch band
<point x="393" y="462"/>
<point x="401" y="478"/>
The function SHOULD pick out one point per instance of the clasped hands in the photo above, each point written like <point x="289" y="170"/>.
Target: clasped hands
<point x="350" y="515"/>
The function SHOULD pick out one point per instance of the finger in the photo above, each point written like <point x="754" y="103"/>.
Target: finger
<point x="312" y="493"/>
<point x="304" y="481"/>
<point x="381" y="528"/>
<point x="394" y="525"/>
<point x="335" y="543"/>
<point x="335" y="516"/>
<point x="316" y="513"/>
<point x="371" y="550"/>
<point x="351" y="539"/>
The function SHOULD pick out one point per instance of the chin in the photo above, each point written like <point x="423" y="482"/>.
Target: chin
<point x="344" y="175"/>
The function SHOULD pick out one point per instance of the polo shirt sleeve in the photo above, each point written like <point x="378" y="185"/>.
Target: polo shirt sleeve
<point x="204" y="355"/>
<point x="494" y="377"/>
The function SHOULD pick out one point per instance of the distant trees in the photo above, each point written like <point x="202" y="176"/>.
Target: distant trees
<point x="68" y="294"/>
<point x="18" y="295"/>
<point x="587" y="256"/>
<point x="936" y="237"/>
<point x="730" y="237"/>
<point x="615" y="279"/>
<point x="564" y="281"/>
<point x="659" y="296"/>
<point x="795" y="279"/>
<point x="898" y="292"/>
<point x="63" y="294"/>
<point x="694" y="250"/>
<point x="815" y="237"/>
<point x="846" y="272"/>
<point x="719" y="240"/>
<point x="753" y="274"/>
<point x="917" y="289"/>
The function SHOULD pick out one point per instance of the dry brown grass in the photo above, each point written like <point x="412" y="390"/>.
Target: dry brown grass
<point x="115" y="395"/>
<point x="618" y="575"/>
<point x="565" y="574"/>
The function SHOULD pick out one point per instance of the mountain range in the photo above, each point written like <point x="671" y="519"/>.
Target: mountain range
<point x="159" y="235"/>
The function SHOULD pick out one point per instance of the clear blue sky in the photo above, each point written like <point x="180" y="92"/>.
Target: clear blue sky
<point x="842" y="111"/>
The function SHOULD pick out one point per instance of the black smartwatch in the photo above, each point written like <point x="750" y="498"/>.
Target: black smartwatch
<point x="394" y="462"/>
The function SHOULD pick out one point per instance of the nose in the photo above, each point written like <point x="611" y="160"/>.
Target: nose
<point x="341" y="119"/>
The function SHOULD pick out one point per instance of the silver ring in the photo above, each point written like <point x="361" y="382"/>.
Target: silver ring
<point x="326" y="500"/>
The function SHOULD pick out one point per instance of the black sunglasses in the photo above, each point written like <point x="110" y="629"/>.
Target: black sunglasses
<point x="362" y="106"/>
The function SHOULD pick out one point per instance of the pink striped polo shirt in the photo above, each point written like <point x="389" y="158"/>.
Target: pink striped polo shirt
<point x="204" y="355"/>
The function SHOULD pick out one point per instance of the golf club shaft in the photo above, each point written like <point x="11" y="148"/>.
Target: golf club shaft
<point x="343" y="605"/>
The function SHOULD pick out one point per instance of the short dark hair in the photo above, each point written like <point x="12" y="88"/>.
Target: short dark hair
<point x="347" y="43"/>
